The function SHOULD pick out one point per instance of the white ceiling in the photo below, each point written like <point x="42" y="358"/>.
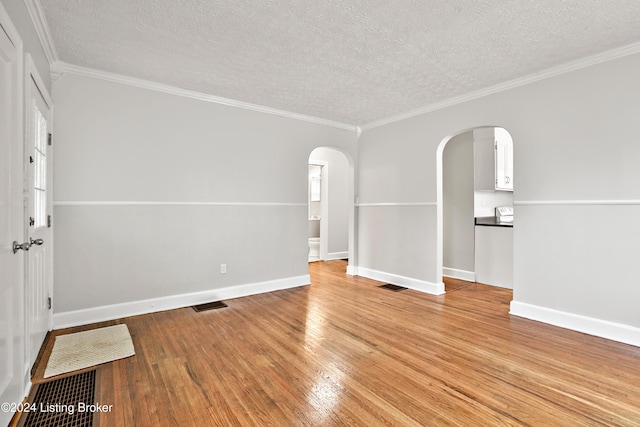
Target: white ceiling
<point x="353" y="62"/>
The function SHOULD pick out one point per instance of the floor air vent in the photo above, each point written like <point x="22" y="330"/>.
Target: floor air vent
<point x="209" y="306"/>
<point x="394" y="288"/>
<point x="65" y="402"/>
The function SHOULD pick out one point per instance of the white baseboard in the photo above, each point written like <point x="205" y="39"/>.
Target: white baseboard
<point x="469" y="276"/>
<point x="134" y="308"/>
<point x="588" y="325"/>
<point x="337" y="255"/>
<point x="407" y="282"/>
<point x="352" y="270"/>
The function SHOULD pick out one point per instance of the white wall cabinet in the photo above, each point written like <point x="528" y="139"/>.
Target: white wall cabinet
<point x="493" y="159"/>
<point x="504" y="160"/>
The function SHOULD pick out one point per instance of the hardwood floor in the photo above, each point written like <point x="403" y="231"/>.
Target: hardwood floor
<point x="344" y="352"/>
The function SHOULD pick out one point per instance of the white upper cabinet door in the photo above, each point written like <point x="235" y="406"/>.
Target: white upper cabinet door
<point x="484" y="159"/>
<point x="493" y="159"/>
<point x="503" y="160"/>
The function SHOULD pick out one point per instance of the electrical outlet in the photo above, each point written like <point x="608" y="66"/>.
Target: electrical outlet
<point x="223" y="268"/>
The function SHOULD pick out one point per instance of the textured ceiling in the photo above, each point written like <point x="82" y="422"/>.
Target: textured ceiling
<point x="351" y="61"/>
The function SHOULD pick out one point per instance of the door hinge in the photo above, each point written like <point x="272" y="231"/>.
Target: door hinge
<point x="30" y="159"/>
<point x="32" y="221"/>
<point x="49" y="303"/>
<point x="49" y="140"/>
<point x="49" y="221"/>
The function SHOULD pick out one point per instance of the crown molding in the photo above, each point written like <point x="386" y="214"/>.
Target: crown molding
<point x="59" y="68"/>
<point x="42" y="29"/>
<point x="568" y="67"/>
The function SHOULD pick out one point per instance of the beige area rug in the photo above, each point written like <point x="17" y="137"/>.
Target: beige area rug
<point x="89" y="348"/>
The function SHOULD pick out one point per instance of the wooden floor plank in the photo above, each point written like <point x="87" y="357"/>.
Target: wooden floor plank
<point x="345" y="352"/>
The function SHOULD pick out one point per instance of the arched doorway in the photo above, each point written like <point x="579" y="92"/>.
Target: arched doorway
<point x="474" y="184"/>
<point x="331" y="205"/>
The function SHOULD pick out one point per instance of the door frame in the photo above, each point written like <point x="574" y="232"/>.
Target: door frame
<point x="21" y="382"/>
<point x="352" y="203"/>
<point x="324" y="207"/>
<point x="31" y="73"/>
<point x="440" y="198"/>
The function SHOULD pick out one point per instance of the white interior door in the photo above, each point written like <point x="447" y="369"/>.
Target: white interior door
<point x="12" y="385"/>
<point x="38" y="207"/>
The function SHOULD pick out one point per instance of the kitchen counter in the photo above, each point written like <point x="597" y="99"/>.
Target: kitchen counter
<point x="492" y="221"/>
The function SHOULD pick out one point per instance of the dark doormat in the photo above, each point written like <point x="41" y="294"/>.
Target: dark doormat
<point x="394" y="288"/>
<point x="209" y="306"/>
<point x="65" y="402"/>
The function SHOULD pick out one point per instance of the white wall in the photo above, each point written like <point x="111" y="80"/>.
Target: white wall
<point x="485" y="202"/>
<point x="458" y="221"/>
<point x="155" y="191"/>
<point x="336" y="176"/>
<point x="577" y="152"/>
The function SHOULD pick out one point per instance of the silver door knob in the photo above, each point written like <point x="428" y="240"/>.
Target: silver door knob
<point x="36" y="242"/>
<point x="21" y="246"/>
